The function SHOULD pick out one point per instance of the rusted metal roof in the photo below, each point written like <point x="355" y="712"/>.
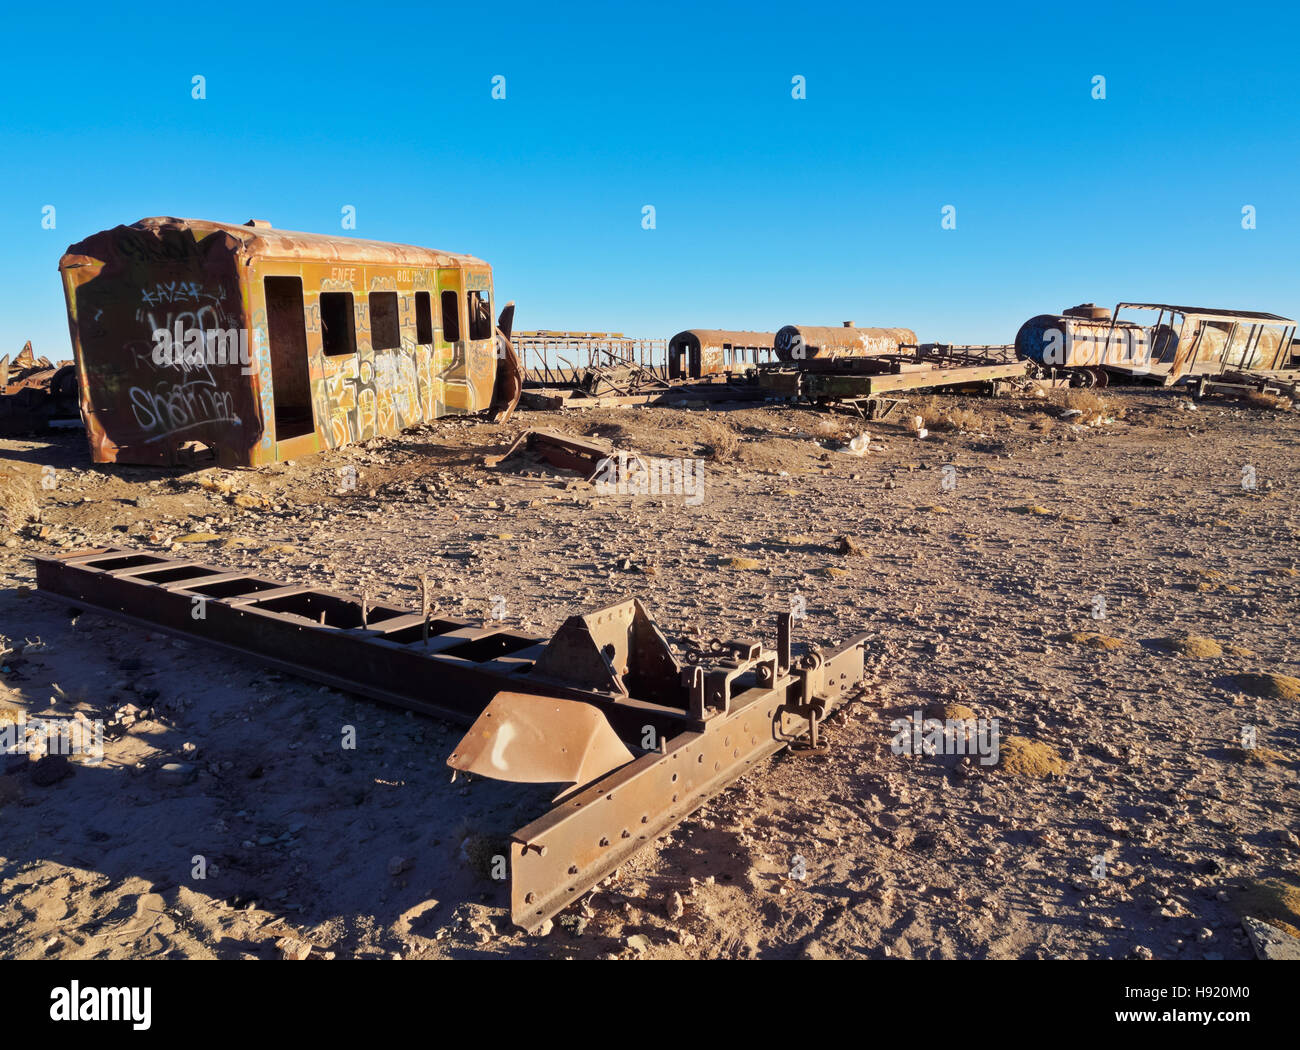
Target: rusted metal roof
<point x="272" y="243"/>
<point x="718" y="336"/>
<point x="1210" y="314"/>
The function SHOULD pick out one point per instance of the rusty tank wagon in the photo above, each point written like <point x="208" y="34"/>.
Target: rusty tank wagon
<point x="796" y="342"/>
<point x="254" y="345"/>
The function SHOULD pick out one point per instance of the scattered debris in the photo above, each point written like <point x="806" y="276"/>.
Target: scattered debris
<point x="36" y="393"/>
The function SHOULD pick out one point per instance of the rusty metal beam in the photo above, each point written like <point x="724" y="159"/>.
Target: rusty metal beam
<point x="557" y="858"/>
<point x="712" y="714"/>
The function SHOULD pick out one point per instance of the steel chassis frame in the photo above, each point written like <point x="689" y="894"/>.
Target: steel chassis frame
<point x="716" y="713"/>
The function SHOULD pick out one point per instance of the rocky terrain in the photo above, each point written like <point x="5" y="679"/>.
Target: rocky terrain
<point x="1111" y="577"/>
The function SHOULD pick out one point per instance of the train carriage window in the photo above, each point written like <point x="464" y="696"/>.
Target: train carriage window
<point x="338" y="325"/>
<point x="385" y="331"/>
<point x="480" y="315"/>
<point x="450" y="317"/>
<point x="423" y="319"/>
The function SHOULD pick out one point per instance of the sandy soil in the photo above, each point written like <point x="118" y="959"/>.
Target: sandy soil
<point x="978" y="585"/>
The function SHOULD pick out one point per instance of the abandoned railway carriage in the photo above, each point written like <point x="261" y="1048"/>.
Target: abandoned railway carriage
<point x="713" y="351"/>
<point x="263" y="345"/>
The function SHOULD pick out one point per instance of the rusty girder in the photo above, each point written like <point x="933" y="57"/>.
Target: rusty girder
<point x="640" y="734"/>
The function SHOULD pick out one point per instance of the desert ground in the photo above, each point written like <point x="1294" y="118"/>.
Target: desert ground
<point x="1112" y="576"/>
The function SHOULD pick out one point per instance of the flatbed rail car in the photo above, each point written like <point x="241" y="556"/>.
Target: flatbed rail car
<point x="699" y="352"/>
<point x="1089" y="344"/>
<point x="260" y="345"/>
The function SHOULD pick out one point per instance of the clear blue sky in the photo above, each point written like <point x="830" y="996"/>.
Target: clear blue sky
<point x="769" y="210"/>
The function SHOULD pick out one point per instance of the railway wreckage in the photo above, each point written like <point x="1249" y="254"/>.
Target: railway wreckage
<point x="635" y="736"/>
<point x="1091" y="344"/>
<point x="35" y="393"/>
<point x="253" y="345"/>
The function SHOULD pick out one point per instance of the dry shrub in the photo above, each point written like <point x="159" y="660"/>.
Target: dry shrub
<point x="956" y="712"/>
<point x="930" y="411"/>
<point x="1093" y="640"/>
<point x="1263" y="757"/>
<point x="1274" y="901"/>
<point x="1259" y="399"/>
<point x="17" y="501"/>
<point x="1191" y="645"/>
<point x="1270" y="686"/>
<point x="719" y="440"/>
<point x="828" y="428"/>
<point x="940" y="417"/>
<point x="1091" y="405"/>
<point x="1023" y="757"/>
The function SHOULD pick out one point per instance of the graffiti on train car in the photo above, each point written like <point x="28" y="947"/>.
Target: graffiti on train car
<point x="262" y="344"/>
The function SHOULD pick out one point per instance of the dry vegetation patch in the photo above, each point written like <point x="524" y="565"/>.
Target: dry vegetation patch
<point x="1020" y="756"/>
<point x="1191" y="645"/>
<point x="1270" y="686"/>
<point x="17" y="501"/>
<point x="1275" y="901"/>
<point x="1094" y="640"/>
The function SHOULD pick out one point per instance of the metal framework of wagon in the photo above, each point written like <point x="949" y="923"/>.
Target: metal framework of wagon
<point x="1252" y="341"/>
<point x="867" y="378"/>
<point x="577" y="709"/>
<point x="560" y="358"/>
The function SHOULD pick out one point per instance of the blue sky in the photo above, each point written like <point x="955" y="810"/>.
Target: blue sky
<point x="769" y="210"/>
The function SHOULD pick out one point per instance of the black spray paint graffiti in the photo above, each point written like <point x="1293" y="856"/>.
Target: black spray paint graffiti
<point x="173" y="405"/>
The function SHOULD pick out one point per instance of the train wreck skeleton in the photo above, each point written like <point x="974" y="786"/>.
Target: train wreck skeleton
<point x="605" y="684"/>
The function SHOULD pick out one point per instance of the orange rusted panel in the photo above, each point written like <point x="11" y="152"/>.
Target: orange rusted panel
<point x="262" y="344"/>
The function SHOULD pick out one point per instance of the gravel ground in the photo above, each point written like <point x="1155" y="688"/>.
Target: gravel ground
<point x="1114" y="586"/>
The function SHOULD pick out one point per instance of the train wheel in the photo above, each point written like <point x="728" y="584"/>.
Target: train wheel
<point x="1082" y="378"/>
<point x="1102" y="378"/>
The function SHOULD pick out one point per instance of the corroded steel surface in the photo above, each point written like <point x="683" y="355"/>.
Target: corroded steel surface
<point x="700" y="352"/>
<point x="35" y="390"/>
<point x="1056" y="340"/>
<point x="795" y="343"/>
<point x="1182" y="340"/>
<point x="274" y="370"/>
<point x="530" y="739"/>
<point x="644" y="734"/>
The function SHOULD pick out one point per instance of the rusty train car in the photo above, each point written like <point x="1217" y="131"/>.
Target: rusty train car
<point x="700" y="352"/>
<point x="262" y="345"/>
<point x="795" y="343"/>
<point x="1089" y="344"/>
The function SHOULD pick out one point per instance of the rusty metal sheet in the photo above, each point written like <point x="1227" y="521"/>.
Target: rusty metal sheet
<point x="531" y="739"/>
<point x="584" y="455"/>
<point x="35" y="391"/>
